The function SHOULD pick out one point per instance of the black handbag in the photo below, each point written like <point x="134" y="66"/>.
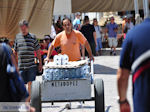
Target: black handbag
<point x="16" y="84"/>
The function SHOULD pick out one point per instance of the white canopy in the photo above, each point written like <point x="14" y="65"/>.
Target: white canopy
<point x="104" y="5"/>
<point x="62" y="7"/>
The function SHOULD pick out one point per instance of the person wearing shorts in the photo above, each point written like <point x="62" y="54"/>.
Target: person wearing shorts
<point x="24" y="46"/>
<point x="112" y="28"/>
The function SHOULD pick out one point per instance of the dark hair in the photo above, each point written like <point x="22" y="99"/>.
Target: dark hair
<point x="95" y="19"/>
<point x="86" y="18"/>
<point x="65" y="19"/>
<point x="6" y="41"/>
<point x="41" y="41"/>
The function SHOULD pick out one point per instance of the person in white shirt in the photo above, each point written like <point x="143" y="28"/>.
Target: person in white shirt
<point x="131" y="25"/>
<point x="53" y="32"/>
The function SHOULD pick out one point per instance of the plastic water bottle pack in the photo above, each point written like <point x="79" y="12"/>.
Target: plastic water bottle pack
<point x="65" y="74"/>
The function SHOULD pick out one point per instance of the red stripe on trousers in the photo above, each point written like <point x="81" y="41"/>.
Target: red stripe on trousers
<point x="139" y="72"/>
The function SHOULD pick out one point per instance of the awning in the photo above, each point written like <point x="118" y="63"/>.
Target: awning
<point x="37" y="12"/>
<point x="103" y="5"/>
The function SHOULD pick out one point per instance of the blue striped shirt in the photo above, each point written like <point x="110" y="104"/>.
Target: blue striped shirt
<point x="25" y="47"/>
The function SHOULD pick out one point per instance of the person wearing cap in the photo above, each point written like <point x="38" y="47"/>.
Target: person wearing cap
<point x="47" y="42"/>
<point x="24" y="46"/>
<point x="77" y="22"/>
<point x="112" y="29"/>
<point x="127" y="26"/>
<point x="135" y="59"/>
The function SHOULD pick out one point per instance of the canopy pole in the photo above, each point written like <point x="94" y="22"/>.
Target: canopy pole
<point x="146" y="8"/>
<point x="137" y="15"/>
<point x="136" y="6"/>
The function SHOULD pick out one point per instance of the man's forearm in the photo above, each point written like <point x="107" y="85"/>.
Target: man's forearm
<point x="83" y="51"/>
<point x="14" y="62"/>
<point x="88" y="48"/>
<point x="39" y="56"/>
<point x="15" y="56"/>
<point x="106" y="31"/>
<point x="122" y="83"/>
<point x="50" y="51"/>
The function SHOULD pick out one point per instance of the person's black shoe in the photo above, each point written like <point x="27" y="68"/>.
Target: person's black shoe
<point x="111" y="52"/>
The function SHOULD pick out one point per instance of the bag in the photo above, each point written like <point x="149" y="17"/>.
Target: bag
<point x="16" y="84"/>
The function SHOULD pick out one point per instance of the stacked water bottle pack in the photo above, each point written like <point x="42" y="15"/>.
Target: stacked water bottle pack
<point x="65" y="73"/>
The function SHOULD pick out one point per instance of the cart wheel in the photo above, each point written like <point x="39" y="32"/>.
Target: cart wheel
<point x="36" y="96"/>
<point x="99" y="95"/>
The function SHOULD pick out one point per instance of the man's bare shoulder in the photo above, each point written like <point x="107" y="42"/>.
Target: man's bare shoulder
<point x="59" y="35"/>
<point x="77" y="32"/>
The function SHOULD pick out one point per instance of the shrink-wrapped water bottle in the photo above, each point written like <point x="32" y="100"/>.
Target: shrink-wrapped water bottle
<point x="65" y="59"/>
<point x="78" y="73"/>
<point x="66" y="74"/>
<point x="56" y="74"/>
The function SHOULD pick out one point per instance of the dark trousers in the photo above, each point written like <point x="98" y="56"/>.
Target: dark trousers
<point x="93" y="47"/>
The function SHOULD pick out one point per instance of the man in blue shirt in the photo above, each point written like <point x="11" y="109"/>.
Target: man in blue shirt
<point x="135" y="57"/>
<point x="111" y="28"/>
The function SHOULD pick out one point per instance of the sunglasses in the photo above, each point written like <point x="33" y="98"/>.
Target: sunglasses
<point x="65" y="25"/>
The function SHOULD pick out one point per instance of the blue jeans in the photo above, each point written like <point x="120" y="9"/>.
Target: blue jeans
<point x="99" y="44"/>
<point x="28" y="74"/>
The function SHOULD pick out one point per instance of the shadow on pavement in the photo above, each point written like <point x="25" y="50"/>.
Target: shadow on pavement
<point x="101" y="69"/>
<point x="108" y="108"/>
<point x="84" y="107"/>
<point x="50" y="106"/>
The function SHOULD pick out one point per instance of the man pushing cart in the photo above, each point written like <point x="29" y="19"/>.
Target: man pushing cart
<point x="68" y="78"/>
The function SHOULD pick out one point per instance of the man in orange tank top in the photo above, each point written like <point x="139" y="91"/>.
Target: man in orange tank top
<point x="69" y="40"/>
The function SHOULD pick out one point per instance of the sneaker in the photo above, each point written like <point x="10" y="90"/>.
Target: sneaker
<point x="111" y="52"/>
<point x="81" y="105"/>
<point x="114" y="53"/>
<point x="68" y="106"/>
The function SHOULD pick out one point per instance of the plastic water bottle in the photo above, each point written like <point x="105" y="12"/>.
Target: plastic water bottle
<point x="73" y="73"/>
<point x="87" y="73"/>
<point x="78" y="73"/>
<point x="66" y="74"/>
<point x="61" y="75"/>
<point x="45" y="74"/>
<point x="51" y="73"/>
<point x="83" y="69"/>
<point x="56" y="74"/>
<point x="65" y="59"/>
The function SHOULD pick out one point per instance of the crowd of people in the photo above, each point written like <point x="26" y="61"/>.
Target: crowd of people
<point x="95" y="34"/>
<point x="72" y="38"/>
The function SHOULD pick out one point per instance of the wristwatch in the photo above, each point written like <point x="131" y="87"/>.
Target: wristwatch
<point x="123" y="102"/>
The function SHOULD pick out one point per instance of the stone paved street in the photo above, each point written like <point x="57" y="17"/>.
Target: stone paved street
<point x="105" y="67"/>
